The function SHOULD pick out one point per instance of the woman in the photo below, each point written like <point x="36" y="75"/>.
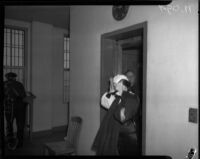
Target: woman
<point x="122" y="106"/>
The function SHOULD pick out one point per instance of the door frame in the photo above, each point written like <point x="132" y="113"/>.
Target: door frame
<point x="131" y="31"/>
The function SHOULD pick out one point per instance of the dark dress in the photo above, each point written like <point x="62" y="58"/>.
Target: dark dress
<point x="106" y="140"/>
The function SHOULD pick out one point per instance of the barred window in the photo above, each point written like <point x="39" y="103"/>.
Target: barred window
<point x="66" y="69"/>
<point x="14" y="41"/>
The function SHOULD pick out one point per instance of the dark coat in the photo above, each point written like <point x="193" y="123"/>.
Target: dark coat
<point x="14" y="90"/>
<point x="106" y="140"/>
<point x="130" y="102"/>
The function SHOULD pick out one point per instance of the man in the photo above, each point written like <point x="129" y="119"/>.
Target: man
<point x="126" y="115"/>
<point x="135" y="89"/>
<point x="15" y="108"/>
<point x="132" y="79"/>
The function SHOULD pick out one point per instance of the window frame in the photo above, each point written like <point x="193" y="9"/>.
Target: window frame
<point x="67" y="86"/>
<point x="24" y="54"/>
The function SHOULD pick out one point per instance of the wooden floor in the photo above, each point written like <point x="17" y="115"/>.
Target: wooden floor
<point x="35" y="146"/>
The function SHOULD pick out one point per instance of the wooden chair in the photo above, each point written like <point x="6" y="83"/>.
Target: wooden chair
<point x="69" y="145"/>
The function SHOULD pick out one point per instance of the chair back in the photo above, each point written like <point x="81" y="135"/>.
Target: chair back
<point x="74" y="130"/>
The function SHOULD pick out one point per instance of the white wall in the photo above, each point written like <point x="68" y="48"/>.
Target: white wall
<point x="41" y="74"/>
<point x="172" y="73"/>
<point x="47" y="76"/>
<point x="59" y="111"/>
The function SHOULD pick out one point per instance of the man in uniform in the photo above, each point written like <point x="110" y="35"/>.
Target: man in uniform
<point x="131" y="75"/>
<point x="15" y="108"/>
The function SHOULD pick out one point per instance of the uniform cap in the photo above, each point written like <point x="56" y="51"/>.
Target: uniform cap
<point x="11" y="74"/>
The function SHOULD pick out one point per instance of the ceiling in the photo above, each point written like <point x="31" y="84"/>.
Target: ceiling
<point x="59" y="16"/>
<point x="55" y="15"/>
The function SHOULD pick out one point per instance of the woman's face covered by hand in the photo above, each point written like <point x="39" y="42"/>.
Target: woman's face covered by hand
<point x="119" y="87"/>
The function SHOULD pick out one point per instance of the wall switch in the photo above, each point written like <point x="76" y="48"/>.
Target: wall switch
<point x="193" y="115"/>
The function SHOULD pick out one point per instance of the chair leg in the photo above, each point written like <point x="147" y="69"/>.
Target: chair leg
<point x="45" y="151"/>
<point x="48" y="152"/>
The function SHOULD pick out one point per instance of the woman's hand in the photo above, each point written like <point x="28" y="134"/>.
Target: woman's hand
<point x="112" y="89"/>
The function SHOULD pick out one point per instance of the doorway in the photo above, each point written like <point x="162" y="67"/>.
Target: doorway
<point x="121" y="50"/>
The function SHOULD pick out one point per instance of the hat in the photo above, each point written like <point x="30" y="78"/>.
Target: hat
<point x="11" y="74"/>
<point x="119" y="77"/>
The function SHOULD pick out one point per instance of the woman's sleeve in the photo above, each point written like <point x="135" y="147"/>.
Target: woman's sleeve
<point x="106" y="102"/>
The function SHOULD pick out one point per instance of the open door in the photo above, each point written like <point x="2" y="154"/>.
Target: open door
<point x="117" y="55"/>
<point x="121" y="50"/>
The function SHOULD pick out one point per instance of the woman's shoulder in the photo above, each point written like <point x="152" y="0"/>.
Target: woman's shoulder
<point x="131" y="99"/>
<point x="132" y="96"/>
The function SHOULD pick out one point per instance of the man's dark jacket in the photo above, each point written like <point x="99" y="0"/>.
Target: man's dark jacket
<point x="15" y="90"/>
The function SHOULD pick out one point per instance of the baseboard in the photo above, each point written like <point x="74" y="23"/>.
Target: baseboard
<point x="60" y="128"/>
<point x="42" y="133"/>
<point x="49" y="131"/>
